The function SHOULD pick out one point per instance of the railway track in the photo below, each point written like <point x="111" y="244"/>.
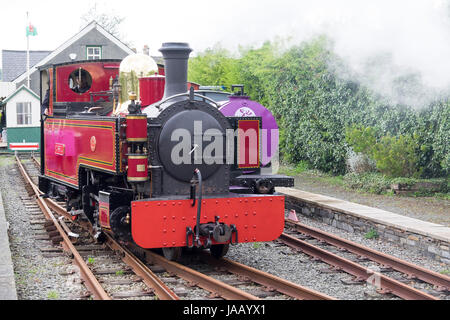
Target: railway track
<point x="217" y="289"/>
<point x="407" y="272"/>
<point x="411" y="271"/>
<point x="385" y="284"/>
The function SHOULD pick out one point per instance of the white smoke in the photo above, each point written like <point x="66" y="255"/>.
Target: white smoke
<point x="399" y="48"/>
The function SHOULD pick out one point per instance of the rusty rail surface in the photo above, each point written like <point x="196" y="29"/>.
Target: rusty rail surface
<point x="91" y="281"/>
<point x="203" y="281"/>
<point x="384" y="283"/>
<point x="150" y="279"/>
<point x="442" y="282"/>
<point x="36" y="162"/>
<point x="270" y="281"/>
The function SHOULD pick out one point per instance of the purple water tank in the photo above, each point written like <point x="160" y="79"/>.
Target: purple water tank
<point x="242" y="106"/>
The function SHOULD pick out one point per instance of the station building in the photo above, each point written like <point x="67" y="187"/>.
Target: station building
<point x="20" y="105"/>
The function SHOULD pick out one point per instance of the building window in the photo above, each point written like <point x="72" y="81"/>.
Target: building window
<point x="93" y="52"/>
<point x="23" y="112"/>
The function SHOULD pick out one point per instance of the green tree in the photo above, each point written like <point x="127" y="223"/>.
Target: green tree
<point x="315" y="106"/>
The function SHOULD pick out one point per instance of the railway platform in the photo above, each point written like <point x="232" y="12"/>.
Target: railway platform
<point x="7" y="280"/>
<point x="428" y="238"/>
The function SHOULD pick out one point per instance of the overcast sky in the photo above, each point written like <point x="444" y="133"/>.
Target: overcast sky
<point x="201" y="23"/>
<point x="415" y="32"/>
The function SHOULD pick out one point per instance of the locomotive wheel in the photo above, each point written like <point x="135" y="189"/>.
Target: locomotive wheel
<point x="219" y="250"/>
<point x="172" y="254"/>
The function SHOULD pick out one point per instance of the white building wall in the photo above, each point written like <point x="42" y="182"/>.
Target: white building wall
<point x="11" y="110"/>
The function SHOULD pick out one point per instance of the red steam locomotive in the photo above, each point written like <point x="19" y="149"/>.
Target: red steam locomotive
<point x="175" y="174"/>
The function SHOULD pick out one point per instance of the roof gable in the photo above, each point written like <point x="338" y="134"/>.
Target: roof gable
<point x="79" y="35"/>
<point x="22" y="87"/>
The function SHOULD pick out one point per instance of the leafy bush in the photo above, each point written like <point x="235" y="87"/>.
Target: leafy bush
<point x="359" y="163"/>
<point x="369" y="182"/>
<point x="314" y="107"/>
<point x="394" y="156"/>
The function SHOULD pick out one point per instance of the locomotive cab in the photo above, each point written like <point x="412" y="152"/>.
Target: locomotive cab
<point x="78" y="86"/>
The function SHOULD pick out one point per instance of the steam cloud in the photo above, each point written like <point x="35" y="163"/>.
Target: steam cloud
<point x="400" y="48"/>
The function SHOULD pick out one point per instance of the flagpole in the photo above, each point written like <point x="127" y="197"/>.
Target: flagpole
<point x="28" y="55"/>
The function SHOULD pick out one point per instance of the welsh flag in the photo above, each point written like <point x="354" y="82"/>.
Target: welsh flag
<point x="31" y="30"/>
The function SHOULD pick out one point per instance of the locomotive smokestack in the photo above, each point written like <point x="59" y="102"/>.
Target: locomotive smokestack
<point x="176" y="55"/>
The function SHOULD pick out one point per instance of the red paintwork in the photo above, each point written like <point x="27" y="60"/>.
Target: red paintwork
<point x="100" y="72"/>
<point x="50" y="101"/>
<point x="193" y="84"/>
<point x="137" y="168"/>
<point x="151" y="89"/>
<point x="104" y="215"/>
<point x="136" y="129"/>
<point x="158" y="224"/>
<point x="248" y="144"/>
<point x="161" y="70"/>
<point x="74" y="137"/>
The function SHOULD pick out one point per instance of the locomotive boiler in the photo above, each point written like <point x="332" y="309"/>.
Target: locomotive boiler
<point x="175" y="174"/>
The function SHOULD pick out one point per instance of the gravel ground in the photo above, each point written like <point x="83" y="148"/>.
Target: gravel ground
<point x="423" y="208"/>
<point x="37" y="277"/>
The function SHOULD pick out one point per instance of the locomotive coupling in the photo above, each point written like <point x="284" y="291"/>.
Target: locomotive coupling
<point x="220" y="232"/>
<point x="209" y="233"/>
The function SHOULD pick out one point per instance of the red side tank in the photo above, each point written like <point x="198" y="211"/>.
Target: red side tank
<point x="151" y="89"/>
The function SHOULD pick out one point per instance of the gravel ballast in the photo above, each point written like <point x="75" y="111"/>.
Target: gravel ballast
<point x="37" y="277"/>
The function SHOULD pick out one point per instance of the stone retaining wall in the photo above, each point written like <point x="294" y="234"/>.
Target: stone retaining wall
<point x="428" y="246"/>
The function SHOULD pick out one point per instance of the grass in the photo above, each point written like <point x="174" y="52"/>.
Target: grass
<point x="442" y="196"/>
<point x="445" y="272"/>
<point x="119" y="273"/>
<point x="53" y="295"/>
<point x="371" y="182"/>
<point x="6" y="160"/>
<point x="372" y="234"/>
<point x="33" y="270"/>
<point x="303" y="169"/>
<point x="20" y="279"/>
<point x="91" y="260"/>
<point x="256" y="245"/>
<point x="293" y="171"/>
